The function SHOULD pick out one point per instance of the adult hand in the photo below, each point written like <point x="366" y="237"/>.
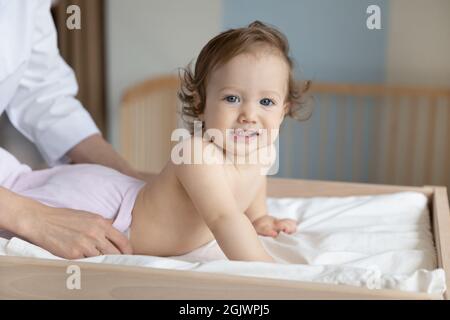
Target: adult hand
<point x="74" y="234"/>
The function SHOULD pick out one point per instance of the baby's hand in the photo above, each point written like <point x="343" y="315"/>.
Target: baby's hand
<point x="270" y="227"/>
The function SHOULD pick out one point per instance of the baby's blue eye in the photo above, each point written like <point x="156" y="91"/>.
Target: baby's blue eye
<point x="266" y="102"/>
<point x="232" y="99"/>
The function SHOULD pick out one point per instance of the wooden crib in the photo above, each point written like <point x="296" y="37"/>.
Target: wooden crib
<point x="148" y="116"/>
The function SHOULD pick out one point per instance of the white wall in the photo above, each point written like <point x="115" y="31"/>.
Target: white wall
<point x="145" y="38"/>
<point x="419" y="42"/>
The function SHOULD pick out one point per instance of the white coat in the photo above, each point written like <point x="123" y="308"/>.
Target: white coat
<point x="37" y="88"/>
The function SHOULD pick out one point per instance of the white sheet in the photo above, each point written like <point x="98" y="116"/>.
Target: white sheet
<point x="381" y="241"/>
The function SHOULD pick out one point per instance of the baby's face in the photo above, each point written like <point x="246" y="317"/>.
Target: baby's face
<point x="245" y="101"/>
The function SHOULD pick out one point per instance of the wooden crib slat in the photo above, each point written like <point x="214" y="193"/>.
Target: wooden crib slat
<point x="376" y="113"/>
<point x="430" y="145"/>
<point x="306" y="144"/>
<point x="392" y="141"/>
<point x="357" y="147"/>
<point x="341" y="125"/>
<point x="410" y="145"/>
<point x="323" y="135"/>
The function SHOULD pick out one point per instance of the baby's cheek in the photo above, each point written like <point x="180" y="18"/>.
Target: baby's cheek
<point x="274" y="132"/>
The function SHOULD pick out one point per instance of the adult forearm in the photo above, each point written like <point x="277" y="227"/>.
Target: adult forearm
<point x="95" y="149"/>
<point x="13" y="211"/>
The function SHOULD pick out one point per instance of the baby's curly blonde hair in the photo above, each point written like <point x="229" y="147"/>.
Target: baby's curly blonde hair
<point x="222" y="49"/>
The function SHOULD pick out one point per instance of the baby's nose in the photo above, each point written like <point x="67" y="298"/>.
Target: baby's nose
<point x="247" y="114"/>
<point x="246" y="120"/>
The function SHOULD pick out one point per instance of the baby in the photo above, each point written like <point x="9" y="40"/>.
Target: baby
<point x="241" y="90"/>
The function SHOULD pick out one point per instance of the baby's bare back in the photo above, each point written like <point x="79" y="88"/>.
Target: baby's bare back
<point x="165" y="221"/>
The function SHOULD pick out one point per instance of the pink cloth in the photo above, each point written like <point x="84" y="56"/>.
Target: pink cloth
<point x="10" y="169"/>
<point x="87" y="187"/>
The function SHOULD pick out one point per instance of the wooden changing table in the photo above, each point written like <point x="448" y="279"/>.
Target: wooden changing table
<point x="30" y="278"/>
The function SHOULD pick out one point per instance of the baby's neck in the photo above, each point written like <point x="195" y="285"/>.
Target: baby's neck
<point x="258" y="160"/>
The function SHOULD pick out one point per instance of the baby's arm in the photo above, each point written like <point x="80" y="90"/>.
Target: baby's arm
<point x="206" y="186"/>
<point x="264" y="224"/>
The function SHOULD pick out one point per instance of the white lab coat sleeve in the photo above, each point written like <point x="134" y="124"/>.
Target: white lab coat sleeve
<point x="44" y="107"/>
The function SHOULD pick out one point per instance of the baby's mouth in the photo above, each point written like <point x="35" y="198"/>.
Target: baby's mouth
<point x="245" y="133"/>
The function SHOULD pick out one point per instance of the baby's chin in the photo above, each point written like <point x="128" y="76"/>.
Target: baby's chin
<point x="244" y="153"/>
